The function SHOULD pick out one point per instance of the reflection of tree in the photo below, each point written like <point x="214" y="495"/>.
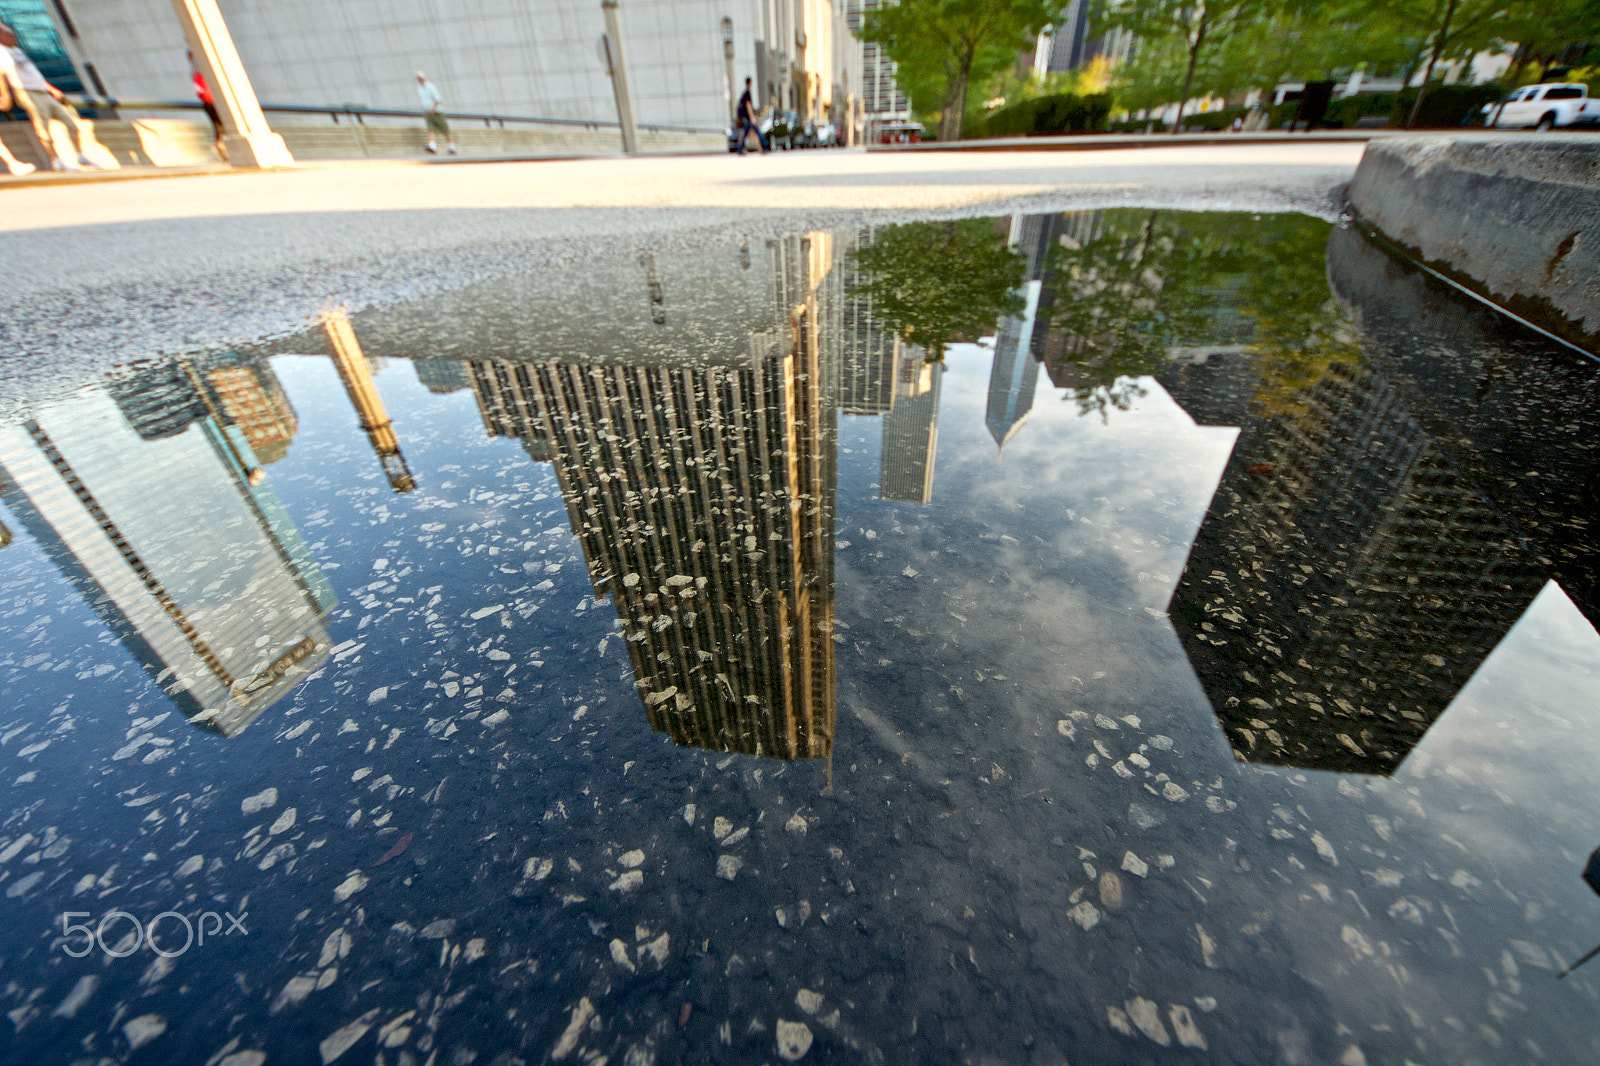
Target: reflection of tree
<point x="939" y="282"/>
<point x="1144" y="288"/>
<point x="1299" y="333"/>
<point x="1115" y="310"/>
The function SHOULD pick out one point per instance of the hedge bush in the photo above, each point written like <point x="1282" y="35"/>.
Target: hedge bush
<point x="1057" y="113"/>
<point x="1445" y="105"/>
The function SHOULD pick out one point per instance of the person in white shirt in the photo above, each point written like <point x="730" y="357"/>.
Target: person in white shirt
<point x="432" y="109"/>
<point x="47" y="102"/>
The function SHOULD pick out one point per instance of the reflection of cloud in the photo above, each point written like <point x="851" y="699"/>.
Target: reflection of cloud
<point x="1085" y="464"/>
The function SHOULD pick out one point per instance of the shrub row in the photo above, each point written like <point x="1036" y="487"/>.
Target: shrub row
<point x="1445" y="105"/>
<point x="1057" y="113"/>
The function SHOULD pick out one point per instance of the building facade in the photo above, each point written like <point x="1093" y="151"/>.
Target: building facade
<point x="533" y="59"/>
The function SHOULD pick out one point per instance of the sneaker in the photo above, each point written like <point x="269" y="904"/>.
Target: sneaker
<point x="433" y="149"/>
<point x="452" y="149"/>
<point x="62" y="164"/>
<point x="87" y="163"/>
<point x="19" y="168"/>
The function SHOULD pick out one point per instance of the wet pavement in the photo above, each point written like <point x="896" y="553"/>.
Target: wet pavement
<point x="1110" y="636"/>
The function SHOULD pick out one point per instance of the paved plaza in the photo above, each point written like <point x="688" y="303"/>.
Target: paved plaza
<point x="117" y="270"/>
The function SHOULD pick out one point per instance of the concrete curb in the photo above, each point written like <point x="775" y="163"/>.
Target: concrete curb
<point x="1513" y="217"/>
<point x="1103" y="142"/>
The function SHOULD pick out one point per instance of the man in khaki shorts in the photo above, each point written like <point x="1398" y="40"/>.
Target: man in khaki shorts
<point x="48" y="103"/>
<point x="433" y="113"/>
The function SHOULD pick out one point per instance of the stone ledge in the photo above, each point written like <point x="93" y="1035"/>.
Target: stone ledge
<point x="1513" y="216"/>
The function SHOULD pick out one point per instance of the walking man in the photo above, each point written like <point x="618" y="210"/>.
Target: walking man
<point x="747" y="121"/>
<point x="432" y="109"/>
<point x="48" y="103"/>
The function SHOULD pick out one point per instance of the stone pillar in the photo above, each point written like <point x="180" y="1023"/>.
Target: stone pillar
<point x="616" y="59"/>
<point x="249" y="140"/>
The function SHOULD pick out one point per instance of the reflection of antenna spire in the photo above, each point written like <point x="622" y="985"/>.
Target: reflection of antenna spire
<point x="356" y="374"/>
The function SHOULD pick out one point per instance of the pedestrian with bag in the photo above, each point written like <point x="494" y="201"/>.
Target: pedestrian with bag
<point x="748" y="123"/>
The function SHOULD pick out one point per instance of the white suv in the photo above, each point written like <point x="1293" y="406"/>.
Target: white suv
<point x="1546" y="107"/>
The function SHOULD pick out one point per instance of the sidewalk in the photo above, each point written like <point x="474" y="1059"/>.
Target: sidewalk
<point x="109" y="270"/>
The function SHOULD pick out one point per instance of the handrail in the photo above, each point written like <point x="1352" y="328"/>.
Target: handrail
<point x="361" y="111"/>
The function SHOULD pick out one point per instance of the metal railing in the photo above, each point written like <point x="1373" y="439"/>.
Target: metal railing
<point x="359" y="113"/>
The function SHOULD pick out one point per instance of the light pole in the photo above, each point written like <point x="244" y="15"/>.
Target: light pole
<point x="617" y="66"/>
<point x="727" y="56"/>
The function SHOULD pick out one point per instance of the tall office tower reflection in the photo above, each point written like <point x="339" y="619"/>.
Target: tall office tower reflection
<point x="1346" y="581"/>
<point x="442" y="376"/>
<point x="911" y="432"/>
<point x="701" y="487"/>
<point x="355" y="372"/>
<point x="147" y="506"/>
<point x="871" y="354"/>
<point x="1015" y="372"/>
<point x="251" y="398"/>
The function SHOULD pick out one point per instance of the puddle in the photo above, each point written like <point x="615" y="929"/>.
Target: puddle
<point x="1059" y="636"/>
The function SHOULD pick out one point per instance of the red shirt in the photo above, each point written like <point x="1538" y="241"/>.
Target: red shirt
<point x="200" y="89"/>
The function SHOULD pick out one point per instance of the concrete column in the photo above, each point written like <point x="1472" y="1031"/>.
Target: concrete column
<point x="617" y="59"/>
<point x="249" y="140"/>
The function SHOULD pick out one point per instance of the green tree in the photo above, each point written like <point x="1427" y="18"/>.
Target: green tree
<point x="943" y="47"/>
<point x="1185" y="30"/>
<point x="940" y="282"/>
<point x="1448" y="29"/>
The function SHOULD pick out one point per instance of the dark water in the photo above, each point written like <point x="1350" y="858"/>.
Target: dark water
<point x="675" y="661"/>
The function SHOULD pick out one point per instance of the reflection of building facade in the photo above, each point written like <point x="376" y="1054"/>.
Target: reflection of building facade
<point x="1015" y="372"/>
<point x="253" y="400"/>
<point x="442" y="376"/>
<point x="911" y="433"/>
<point x="1346" y="582"/>
<point x="154" y="518"/>
<point x="702" y="492"/>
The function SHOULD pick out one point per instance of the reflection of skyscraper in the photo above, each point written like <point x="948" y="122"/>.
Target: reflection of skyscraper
<point x="355" y="371"/>
<point x="199" y="573"/>
<point x="911" y="432"/>
<point x="441" y="375"/>
<point x="1346" y="582"/>
<point x="1015" y="372"/>
<point x="252" y="399"/>
<point x="870" y="353"/>
<point x="701" y="488"/>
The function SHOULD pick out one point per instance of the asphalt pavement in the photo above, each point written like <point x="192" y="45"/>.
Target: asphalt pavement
<point x="108" y="271"/>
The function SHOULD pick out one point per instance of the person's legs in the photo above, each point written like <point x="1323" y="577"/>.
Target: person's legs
<point x="436" y="126"/>
<point x="13" y="164"/>
<point x="41" y="132"/>
<point x="216" y="130"/>
<point x="51" y="108"/>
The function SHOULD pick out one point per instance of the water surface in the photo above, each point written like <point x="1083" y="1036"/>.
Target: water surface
<point x="1115" y="637"/>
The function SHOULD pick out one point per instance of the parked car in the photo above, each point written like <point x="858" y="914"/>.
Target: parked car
<point x="1565" y="105"/>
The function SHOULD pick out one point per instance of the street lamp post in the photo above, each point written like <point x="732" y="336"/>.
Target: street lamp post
<point x="617" y="67"/>
<point x="727" y="56"/>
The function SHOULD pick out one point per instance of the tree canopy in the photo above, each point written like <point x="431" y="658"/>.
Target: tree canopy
<point x="940" y="282"/>
<point x="943" y="47"/>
